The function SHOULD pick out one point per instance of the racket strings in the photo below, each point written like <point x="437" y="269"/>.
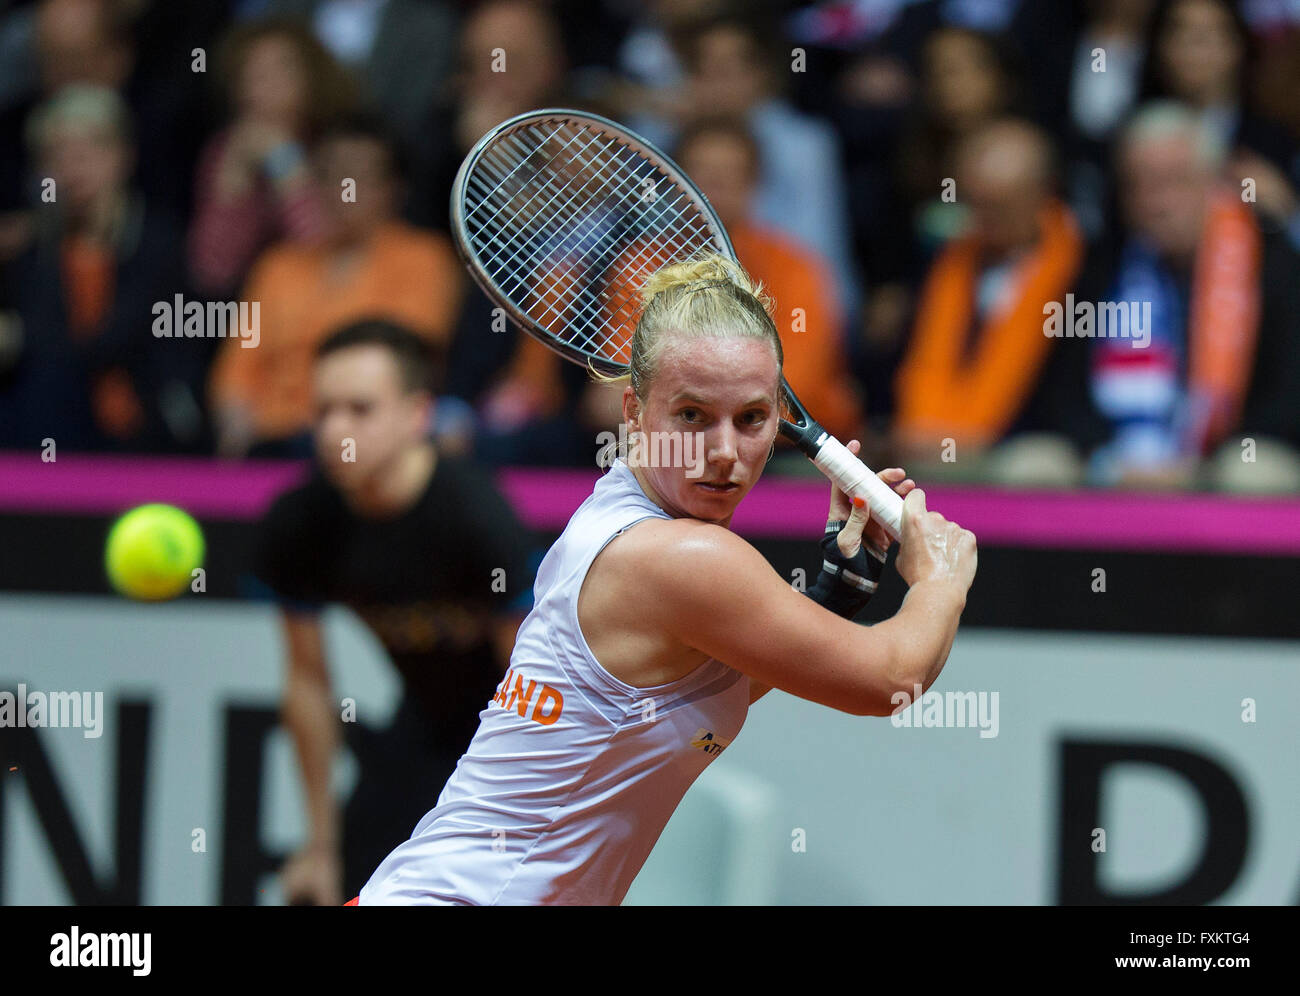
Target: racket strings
<point x="565" y="287"/>
<point x="510" y="208"/>
<point x="507" y="211"/>
<point x="607" y="318"/>
<point x="551" y="210"/>
<point x="571" y="239"/>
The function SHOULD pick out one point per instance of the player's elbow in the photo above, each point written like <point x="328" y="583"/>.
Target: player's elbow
<point x="894" y="677"/>
<point x="883" y="700"/>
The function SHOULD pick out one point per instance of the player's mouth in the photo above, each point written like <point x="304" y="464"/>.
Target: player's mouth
<point x="718" y="487"/>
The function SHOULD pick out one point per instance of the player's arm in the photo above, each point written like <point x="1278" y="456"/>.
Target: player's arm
<point x="307" y="711"/>
<point x="715" y="592"/>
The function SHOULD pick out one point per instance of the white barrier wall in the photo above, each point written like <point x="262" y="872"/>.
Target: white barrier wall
<point x="1184" y="751"/>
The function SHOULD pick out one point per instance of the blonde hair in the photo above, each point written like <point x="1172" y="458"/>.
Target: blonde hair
<point x="708" y="297"/>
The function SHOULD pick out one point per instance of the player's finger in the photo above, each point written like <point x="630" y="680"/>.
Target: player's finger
<point x="850" y="537"/>
<point x="913" y="505"/>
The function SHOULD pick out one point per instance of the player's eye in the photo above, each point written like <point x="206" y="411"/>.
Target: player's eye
<point x="689" y="415"/>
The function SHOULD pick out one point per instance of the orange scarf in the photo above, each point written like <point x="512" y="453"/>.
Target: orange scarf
<point x="941" y="392"/>
<point x="1223" y="319"/>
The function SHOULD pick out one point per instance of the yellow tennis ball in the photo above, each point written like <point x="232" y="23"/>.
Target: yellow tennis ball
<point x="151" y="551"/>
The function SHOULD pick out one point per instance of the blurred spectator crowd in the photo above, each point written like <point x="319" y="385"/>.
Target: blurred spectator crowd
<point x="918" y="179"/>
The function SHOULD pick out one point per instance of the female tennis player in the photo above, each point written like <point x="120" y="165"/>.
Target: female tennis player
<point x="654" y="627"/>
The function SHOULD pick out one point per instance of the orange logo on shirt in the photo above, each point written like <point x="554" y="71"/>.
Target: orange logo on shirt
<point x="541" y="706"/>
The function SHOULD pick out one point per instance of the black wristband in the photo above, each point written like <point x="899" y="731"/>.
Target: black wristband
<point x="845" y="584"/>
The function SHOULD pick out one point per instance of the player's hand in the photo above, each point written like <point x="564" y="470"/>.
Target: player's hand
<point x="859" y="522"/>
<point x="313" y="877"/>
<point x="934" y="549"/>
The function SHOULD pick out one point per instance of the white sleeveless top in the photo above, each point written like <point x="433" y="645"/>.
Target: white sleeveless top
<point x="573" y="774"/>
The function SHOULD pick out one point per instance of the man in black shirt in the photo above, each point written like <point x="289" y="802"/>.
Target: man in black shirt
<point x="430" y="556"/>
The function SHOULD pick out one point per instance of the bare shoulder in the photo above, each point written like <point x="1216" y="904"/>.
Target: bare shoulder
<point x="682" y="568"/>
<point x="665" y="546"/>
<point x="675" y="568"/>
<point x="636" y="597"/>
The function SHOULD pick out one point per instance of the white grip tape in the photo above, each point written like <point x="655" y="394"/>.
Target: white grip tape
<point x="856" y="480"/>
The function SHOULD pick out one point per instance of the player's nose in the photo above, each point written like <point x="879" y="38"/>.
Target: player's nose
<point x="722" y="446"/>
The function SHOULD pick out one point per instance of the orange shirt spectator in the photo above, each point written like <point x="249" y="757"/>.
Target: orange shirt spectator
<point x="402" y="274"/>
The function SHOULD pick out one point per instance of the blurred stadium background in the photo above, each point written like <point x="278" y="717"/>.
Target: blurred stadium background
<point x="920" y="178"/>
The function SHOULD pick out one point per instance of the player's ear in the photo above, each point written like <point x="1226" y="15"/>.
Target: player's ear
<point x="631" y="405"/>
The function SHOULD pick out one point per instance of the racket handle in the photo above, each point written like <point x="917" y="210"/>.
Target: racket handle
<point x="857" y="480"/>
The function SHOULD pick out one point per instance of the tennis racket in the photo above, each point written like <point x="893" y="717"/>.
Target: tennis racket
<point x="559" y="215"/>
